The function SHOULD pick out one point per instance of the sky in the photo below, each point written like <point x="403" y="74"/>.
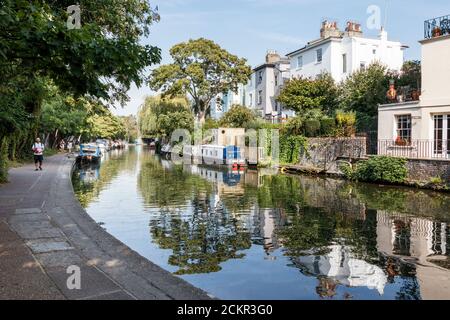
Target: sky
<point x="249" y="28"/>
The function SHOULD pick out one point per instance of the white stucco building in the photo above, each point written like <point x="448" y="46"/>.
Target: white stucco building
<point x="261" y="91"/>
<point x="342" y="53"/>
<point x="421" y="129"/>
<point x="266" y="83"/>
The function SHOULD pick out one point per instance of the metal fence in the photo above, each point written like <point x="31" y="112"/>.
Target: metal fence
<point x="437" y="27"/>
<point x="416" y="149"/>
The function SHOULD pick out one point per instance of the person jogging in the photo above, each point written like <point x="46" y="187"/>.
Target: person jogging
<point x="38" y="152"/>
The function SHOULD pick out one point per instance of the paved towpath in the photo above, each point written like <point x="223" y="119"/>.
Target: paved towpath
<point x="44" y="231"/>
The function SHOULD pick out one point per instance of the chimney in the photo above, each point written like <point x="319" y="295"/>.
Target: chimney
<point x="329" y="29"/>
<point x="272" y="56"/>
<point x="383" y="35"/>
<point x="353" y="29"/>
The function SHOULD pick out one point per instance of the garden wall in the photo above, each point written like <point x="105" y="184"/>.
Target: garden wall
<point x="424" y="170"/>
<point x="325" y="154"/>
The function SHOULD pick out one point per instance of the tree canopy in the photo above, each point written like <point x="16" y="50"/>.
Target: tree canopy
<point x="201" y="69"/>
<point x="237" y="117"/>
<point x="305" y="94"/>
<point x="159" y="117"/>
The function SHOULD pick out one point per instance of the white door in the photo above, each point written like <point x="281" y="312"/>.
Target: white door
<point x="441" y="143"/>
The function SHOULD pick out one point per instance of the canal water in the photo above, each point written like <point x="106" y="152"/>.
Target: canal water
<point x="261" y="235"/>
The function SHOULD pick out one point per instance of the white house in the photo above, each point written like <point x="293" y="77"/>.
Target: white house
<point x="223" y="102"/>
<point x="266" y="83"/>
<point x="342" y="53"/>
<point x="260" y="92"/>
<point x="421" y="129"/>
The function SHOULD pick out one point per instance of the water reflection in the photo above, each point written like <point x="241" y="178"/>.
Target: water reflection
<point x="257" y="234"/>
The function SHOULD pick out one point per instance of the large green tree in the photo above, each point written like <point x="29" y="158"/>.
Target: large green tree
<point x="100" y="60"/>
<point x="159" y="117"/>
<point x="305" y="94"/>
<point x="201" y="69"/>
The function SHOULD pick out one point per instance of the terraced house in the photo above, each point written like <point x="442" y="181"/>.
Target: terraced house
<point x="421" y="128"/>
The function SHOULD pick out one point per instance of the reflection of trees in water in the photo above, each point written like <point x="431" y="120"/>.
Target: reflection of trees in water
<point x="200" y="240"/>
<point x="88" y="191"/>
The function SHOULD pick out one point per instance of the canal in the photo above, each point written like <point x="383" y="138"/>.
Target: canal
<point x="261" y="235"/>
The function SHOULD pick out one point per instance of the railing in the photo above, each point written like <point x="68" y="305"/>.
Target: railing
<point x="416" y="149"/>
<point x="437" y="27"/>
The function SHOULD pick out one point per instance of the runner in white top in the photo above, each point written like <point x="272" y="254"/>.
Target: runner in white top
<point x="38" y="152"/>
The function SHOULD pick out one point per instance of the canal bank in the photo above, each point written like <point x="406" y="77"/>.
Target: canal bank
<point x="44" y="231"/>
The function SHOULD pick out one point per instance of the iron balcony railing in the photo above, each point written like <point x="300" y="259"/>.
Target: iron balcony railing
<point x="437" y="27"/>
<point x="415" y="149"/>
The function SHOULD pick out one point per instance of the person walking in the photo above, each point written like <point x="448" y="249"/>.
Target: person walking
<point x="38" y="152"/>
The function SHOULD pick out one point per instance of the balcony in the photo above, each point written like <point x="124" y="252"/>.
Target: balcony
<point x="415" y="149"/>
<point x="437" y="27"/>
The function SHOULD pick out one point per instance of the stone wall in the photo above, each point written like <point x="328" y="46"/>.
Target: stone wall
<point x="424" y="170"/>
<point x="325" y="154"/>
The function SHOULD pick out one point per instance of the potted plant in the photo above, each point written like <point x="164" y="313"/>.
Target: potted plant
<point x="437" y="32"/>
<point x="400" y="142"/>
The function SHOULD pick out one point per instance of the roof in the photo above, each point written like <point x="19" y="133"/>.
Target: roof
<point x="313" y="44"/>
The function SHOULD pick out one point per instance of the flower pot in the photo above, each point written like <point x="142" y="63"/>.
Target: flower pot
<point x="437" y="32"/>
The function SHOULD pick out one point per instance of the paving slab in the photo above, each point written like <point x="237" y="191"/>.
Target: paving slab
<point x="93" y="282"/>
<point x="48" y="245"/>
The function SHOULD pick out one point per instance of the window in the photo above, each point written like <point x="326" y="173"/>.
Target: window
<point x="344" y="63"/>
<point x="276" y="81"/>
<point x="374" y="51"/>
<point x="299" y="62"/>
<point x="319" y="55"/>
<point x="260" y="97"/>
<point x="276" y="105"/>
<point x="442" y="134"/>
<point x="251" y="99"/>
<point x="404" y="129"/>
<point x="260" y="77"/>
<point x="362" y="65"/>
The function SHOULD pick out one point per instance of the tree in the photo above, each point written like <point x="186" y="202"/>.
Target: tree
<point x="100" y="60"/>
<point x="131" y="128"/>
<point x="365" y="89"/>
<point x="201" y="69"/>
<point x="411" y="75"/>
<point x="159" y="117"/>
<point x="304" y="94"/>
<point x="237" y="117"/>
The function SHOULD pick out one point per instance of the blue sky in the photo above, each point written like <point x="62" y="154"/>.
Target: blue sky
<point x="248" y="28"/>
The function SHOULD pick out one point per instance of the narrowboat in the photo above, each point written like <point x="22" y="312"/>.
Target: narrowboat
<point x="216" y="154"/>
<point x="89" y="153"/>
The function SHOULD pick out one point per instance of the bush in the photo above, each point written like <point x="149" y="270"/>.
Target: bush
<point x="382" y="169"/>
<point x="294" y="126"/>
<point x="327" y="126"/>
<point x="312" y="127"/>
<point x="346" y="124"/>
<point x="4" y="159"/>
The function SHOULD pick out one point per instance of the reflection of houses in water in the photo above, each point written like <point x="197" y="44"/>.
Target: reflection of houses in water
<point x="411" y="236"/>
<point x="340" y="266"/>
<point x="265" y="223"/>
<point x="420" y="238"/>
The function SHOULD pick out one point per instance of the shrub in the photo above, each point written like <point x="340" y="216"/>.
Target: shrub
<point x="312" y="127"/>
<point x="382" y="169"/>
<point x="294" y="126"/>
<point x="3" y="159"/>
<point x="346" y="124"/>
<point x="327" y="126"/>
